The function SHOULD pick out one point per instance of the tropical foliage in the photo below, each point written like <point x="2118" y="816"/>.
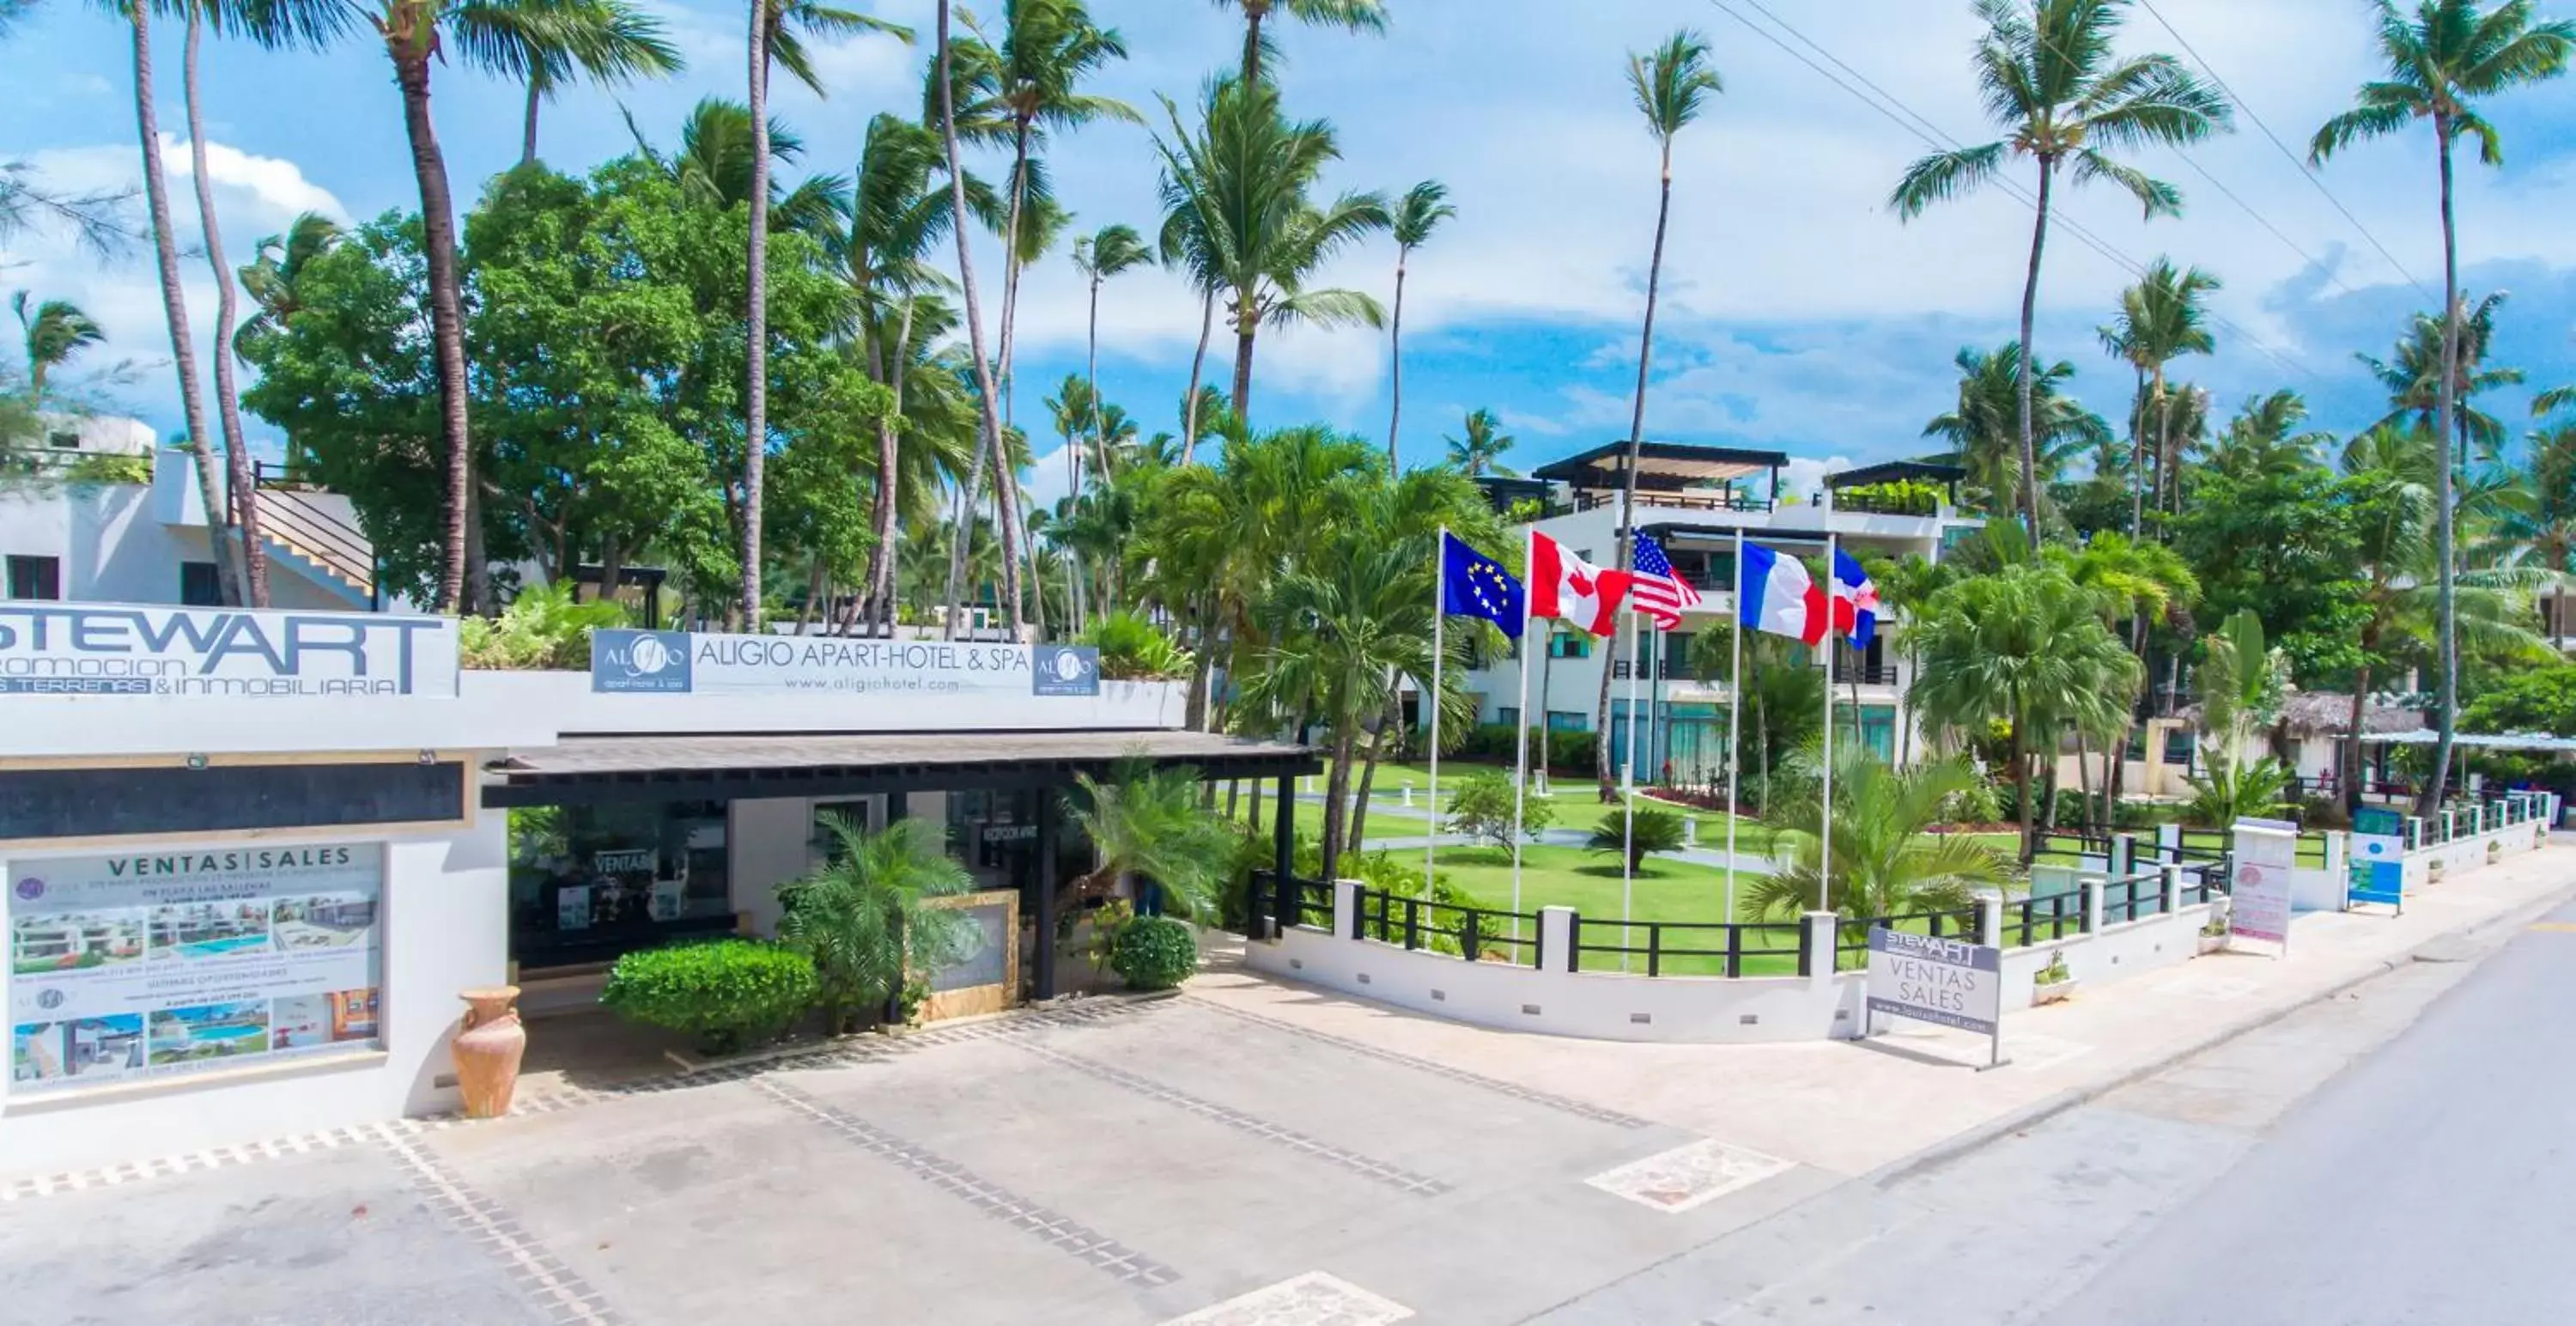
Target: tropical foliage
<point x="1883" y="862"/>
<point x="864" y="917"/>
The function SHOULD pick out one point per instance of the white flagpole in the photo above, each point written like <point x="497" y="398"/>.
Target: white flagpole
<point x="1825" y="858"/>
<point x="1439" y="616"/>
<point x="1628" y="784"/>
<point x="1734" y="721"/>
<point x="1520" y="747"/>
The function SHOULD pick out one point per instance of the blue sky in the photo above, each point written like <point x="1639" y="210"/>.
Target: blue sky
<point x="1800" y="314"/>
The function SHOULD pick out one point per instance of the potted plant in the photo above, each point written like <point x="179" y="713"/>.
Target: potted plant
<point x="2053" y="984"/>
<point x="2213" y="935"/>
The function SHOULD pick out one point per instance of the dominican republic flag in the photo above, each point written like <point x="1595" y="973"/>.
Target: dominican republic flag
<point x="1780" y="596"/>
<point x="1570" y="589"/>
<point x="1657" y="591"/>
<point x="1855" y="601"/>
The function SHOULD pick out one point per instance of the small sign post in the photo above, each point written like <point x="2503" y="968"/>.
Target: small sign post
<point x="2379" y="857"/>
<point x="1947" y="982"/>
<point x="2266" y="852"/>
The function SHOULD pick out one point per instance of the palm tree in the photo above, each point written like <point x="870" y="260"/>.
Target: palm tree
<point x="2147" y="583"/>
<point x="276" y="268"/>
<point x="2049" y="80"/>
<point x="1480" y="452"/>
<point x="2414" y="386"/>
<point x="2451" y="54"/>
<point x="864" y="915"/>
<point x="137" y="15"/>
<point x="1982" y="430"/>
<point x="1350" y="15"/>
<point x="2025" y="647"/>
<point x="2264" y="440"/>
<point x="608" y="41"/>
<point x="1416" y="215"/>
<point x="1244" y="181"/>
<point x="56" y="330"/>
<point x="897" y="217"/>
<point x="1149" y="822"/>
<point x="1113" y="252"/>
<point x="989" y="401"/>
<point x="1672" y="85"/>
<point x="2162" y="318"/>
<point x="2538" y="521"/>
<point x="778" y="31"/>
<point x="1886" y="863"/>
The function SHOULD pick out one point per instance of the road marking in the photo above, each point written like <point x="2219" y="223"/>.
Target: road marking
<point x="2556" y="927"/>
<point x="1689" y="1176"/>
<point x="1312" y="1299"/>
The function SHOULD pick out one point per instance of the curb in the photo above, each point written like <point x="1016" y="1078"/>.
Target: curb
<point x="1959" y="1145"/>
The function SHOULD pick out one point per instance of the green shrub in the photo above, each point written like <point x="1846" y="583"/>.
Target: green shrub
<point x="1154" y="953"/>
<point x="1131" y="649"/>
<point x="1652" y="831"/>
<point x="727" y="994"/>
<point x="543" y="628"/>
<point x="1482" y="809"/>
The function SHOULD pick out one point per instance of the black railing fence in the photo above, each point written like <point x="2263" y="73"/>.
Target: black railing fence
<point x="1475" y="933"/>
<point x="1692" y="948"/>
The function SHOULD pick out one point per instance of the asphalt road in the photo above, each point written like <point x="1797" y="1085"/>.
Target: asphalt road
<point x="2435" y="1182"/>
<point x="2397" y="1154"/>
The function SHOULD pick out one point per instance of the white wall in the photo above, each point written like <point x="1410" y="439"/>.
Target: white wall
<point x="122" y="542"/>
<point x="565" y="701"/>
<point x="771" y="842"/>
<point x="444" y="929"/>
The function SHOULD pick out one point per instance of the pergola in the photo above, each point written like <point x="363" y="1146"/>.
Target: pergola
<point x="1676" y="473"/>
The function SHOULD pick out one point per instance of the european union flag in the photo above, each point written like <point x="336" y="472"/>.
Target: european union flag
<point x="1474" y="585"/>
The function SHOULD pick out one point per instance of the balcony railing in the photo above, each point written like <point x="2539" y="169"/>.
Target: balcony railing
<point x="1888" y="504"/>
<point x="1847" y="673"/>
<point x="1594" y="499"/>
<point x="1664" y="670"/>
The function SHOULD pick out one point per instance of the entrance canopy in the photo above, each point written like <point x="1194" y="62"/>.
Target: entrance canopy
<point x="591" y="770"/>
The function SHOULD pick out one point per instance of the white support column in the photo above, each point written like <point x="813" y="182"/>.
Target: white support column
<point x="2092" y="887"/>
<point x="1346" y="909"/>
<point x="1556" y="938"/>
<point x="2173" y="889"/>
<point x="1820" y="946"/>
<point x="1990" y="922"/>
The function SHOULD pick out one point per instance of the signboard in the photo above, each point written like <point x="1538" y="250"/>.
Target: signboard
<point x="692" y="663"/>
<point x="1948" y="982"/>
<point x="221" y="653"/>
<point x="163" y="963"/>
<point x="987" y="979"/>
<point x="2266" y="852"/>
<point x="2379" y="857"/>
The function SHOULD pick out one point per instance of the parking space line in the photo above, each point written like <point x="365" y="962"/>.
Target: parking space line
<point x="1061" y="1232"/>
<point x="1561" y="1104"/>
<point x="539" y="1274"/>
<point x="1394" y="1176"/>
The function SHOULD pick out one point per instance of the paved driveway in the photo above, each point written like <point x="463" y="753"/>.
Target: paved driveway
<point x="1115" y="1163"/>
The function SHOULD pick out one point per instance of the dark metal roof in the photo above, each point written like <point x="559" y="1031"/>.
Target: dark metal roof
<point x="1661" y="466"/>
<point x="646" y="768"/>
<point x="1929" y="471"/>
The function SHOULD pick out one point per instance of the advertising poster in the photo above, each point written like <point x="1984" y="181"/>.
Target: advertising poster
<point x="2266" y="851"/>
<point x="157" y="963"/>
<point x="702" y="663"/>
<point x="1947" y="982"/>
<point x="221" y="653"/>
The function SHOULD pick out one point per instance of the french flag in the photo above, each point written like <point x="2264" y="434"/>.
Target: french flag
<point x="1780" y="596"/>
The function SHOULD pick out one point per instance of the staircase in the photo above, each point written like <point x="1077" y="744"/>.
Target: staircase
<point x="302" y="527"/>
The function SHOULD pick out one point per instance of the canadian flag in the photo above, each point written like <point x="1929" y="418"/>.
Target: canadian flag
<point x="1571" y="589"/>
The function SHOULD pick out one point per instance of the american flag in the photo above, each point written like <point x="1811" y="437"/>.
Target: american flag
<point x="1657" y="591"/>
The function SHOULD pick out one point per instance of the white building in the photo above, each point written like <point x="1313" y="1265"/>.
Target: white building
<point x="1694" y="500"/>
<point x="97" y="514"/>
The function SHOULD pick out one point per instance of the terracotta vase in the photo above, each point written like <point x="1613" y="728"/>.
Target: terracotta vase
<point x="487" y="1051"/>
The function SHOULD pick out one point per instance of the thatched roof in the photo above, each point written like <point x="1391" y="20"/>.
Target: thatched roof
<point x="2329" y="714"/>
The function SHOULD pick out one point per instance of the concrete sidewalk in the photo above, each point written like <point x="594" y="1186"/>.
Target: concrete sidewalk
<point x="1857" y="1109"/>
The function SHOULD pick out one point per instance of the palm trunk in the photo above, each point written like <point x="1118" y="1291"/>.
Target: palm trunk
<point x="2138" y="458"/>
<point x="2021" y="794"/>
<point x="1368" y="776"/>
<point x="890" y="474"/>
<point x="528" y="130"/>
<point x="2351" y="761"/>
<point x="2029" y="311"/>
<point x="1091" y="372"/>
<point x="1252" y="66"/>
<point x="245" y="480"/>
<point x="1202" y="671"/>
<point x="755" y="398"/>
<point x="1336" y="786"/>
<point x="1011" y="271"/>
<point x="1198" y="371"/>
<point x="1245" y="328"/>
<point x="1395" y="373"/>
<point x="2447" y="706"/>
<point x="174" y="306"/>
<point x="411" y="56"/>
<point x="970" y="503"/>
<point x="1626" y="560"/>
<point x="987" y="403"/>
<point x="2084" y="776"/>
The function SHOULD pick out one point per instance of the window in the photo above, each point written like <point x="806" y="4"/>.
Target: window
<point x="63" y="441"/>
<point x="1561" y="721"/>
<point x="588" y="883"/>
<point x="1508" y="717"/>
<point x="1569" y="644"/>
<point x="2137" y="748"/>
<point x="2178" y="746"/>
<point x="36" y="578"/>
<point x="198" y="585"/>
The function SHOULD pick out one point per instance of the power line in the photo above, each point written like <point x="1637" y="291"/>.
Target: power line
<point x="2297" y="163"/>
<point x="1940" y="139"/>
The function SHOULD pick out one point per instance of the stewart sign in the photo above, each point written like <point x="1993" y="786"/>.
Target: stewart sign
<point x="221" y="653"/>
